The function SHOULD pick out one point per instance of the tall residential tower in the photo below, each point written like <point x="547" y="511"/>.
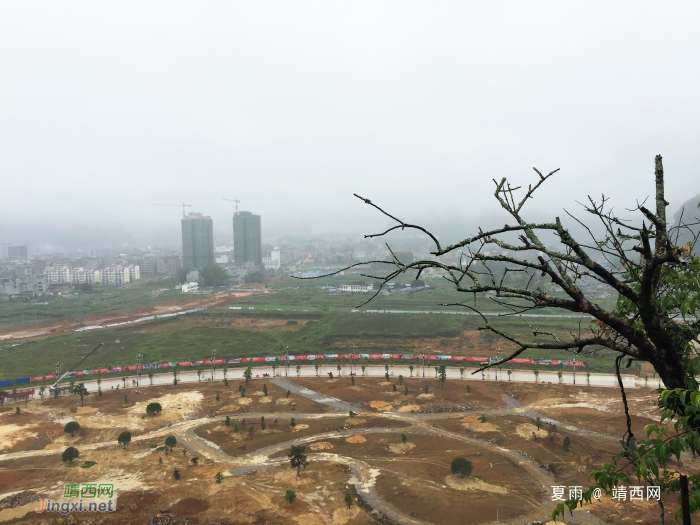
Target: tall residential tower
<point x="197" y="241"/>
<point x="247" y="239"/>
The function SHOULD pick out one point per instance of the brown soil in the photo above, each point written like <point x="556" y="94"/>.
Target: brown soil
<point x="230" y="441"/>
<point x="484" y="394"/>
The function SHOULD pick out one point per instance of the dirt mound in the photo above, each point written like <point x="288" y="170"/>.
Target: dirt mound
<point x="425" y="396"/>
<point x="165" y="517"/>
<point x="381" y="406"/>
<point x="356" y="439"/>
<point x="190" y="506"/>
<point x="526" y="429"/>
<point x="473" y="423"/>
<point x="244" y="401"/>
<point x="342" y="516"/>
<point x="322" y="445"/>
<point x="289" y="477"/>
<point x="410" y="408"/>
<point x="17" y="500"/>
<point x="469" y="484"/>
<point x="299" y="427"/>
<point x="401" y="448"/>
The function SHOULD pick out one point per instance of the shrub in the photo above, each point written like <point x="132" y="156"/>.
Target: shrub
<point x="124" y="438"/>
<point x="71" y="427"/>
<point x="461" y="466"/>
<point x="70" y="454"/>
<point x="170" y="441"/>
<point x="153" y="408"/>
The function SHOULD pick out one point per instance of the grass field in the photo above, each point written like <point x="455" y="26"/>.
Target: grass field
<point x="246" y="333"/>
<point x="102" y="299"/>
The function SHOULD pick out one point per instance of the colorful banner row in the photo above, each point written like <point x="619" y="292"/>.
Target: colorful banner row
<point x="238" y="360"/>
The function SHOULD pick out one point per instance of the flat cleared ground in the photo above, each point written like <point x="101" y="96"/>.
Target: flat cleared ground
<point x="493" y="424"/>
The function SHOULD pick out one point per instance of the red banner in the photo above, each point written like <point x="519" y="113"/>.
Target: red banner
<point x="37" y="378"/>
<point x="184" y="363"/>
<point x="520" y="361"/>
<point x="80" y="373"/>
<point x="100" y="371"/>
<point x="165" y="365"/>
<point x="302" y="357"/>
<point x="219" y="361"/>
<point x="258" y="359"/>
<point x="395" y="356"/>
<point x="479" y="359"/>
<point x="375" y="356"/>
<point x="458" y="358"/>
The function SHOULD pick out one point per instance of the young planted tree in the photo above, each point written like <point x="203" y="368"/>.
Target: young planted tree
<point x="405" y="391"/>
<point x="404" y="438"/>
<point x="265" y="390"/>
<point x="227" y="422"/>
<point x="298" y="370"/>
<point x="292" y="423"/>
<point x="410" y="368"/>
<point x="509" y="373"/>
<point x="442" y="374"/>
<point x="124" y="438"/>
<point x="70" y="454"/>
<point x="426" y="389"/>
<point x="537" y="375"/>
<point x="71" y="428"/>
<point x="348" y="500"/>
<point x="400" y="379"/>
<point x="297" y="458"/>
<point x="248" y="374"/>
<point x="218" y="397"/>
<point x="560" y="375"/>
<point x="338" y="368"/>
<point x="393" y="388"/>
<point x="461" y="372"/>
<point x="483" y="418"/>
<point x="352" y="414"/>
<point x="81" y="391"/>
<point x="316" y="367"/>
<point x="242" y="391"/>
<point x="386" y="376"/>
<point x="290" y="496"/>
<point x="567" y="443"/>
<point x="150" y="377"/>
<point x="656" y="282"/>
<point x="330" y="374"/>
<point x="289" y="392"/>
<point x="219" y="478"/>
<point x="352" y="380"/>
<point x="537" y="422"/>
<point x="363" y="369"/>
<point x="262" y="423"/>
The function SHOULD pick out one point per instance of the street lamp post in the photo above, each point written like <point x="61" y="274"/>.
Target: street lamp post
<point x="352" y="358"/>
<point x="138" y="369"/>
<point x="428" y="351"/>
<point x="286" y="361"/>
<point x="213" y="364"/>
<point x="574" y="362"/>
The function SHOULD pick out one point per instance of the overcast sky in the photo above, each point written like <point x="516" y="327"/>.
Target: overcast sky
<point x="109" y="107"/>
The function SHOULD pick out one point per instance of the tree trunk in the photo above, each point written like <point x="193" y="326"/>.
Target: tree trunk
<point x="299" y="471"/>
<point x="685" y="501"/>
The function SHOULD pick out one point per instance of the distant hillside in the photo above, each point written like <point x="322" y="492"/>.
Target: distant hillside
<point x="691" y="213"/>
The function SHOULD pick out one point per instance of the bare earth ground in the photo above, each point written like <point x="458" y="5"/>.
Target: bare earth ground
<point x="390" y="481"/>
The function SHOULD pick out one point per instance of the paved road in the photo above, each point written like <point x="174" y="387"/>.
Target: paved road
<point x="519" y="376"/>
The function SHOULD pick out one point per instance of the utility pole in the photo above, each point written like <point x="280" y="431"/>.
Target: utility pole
<point x="138" y="369"/>
<point x="286" y="361"/>
<point x="213" y="364"/>
<point x="574" y="361"/>
<point x="498" y="356"/>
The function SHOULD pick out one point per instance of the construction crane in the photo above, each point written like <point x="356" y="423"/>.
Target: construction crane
<point x="235" y="199"/>
<point x="183" y="207"/>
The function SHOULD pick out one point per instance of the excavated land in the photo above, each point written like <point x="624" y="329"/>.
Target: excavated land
<point x="392" y="454"/>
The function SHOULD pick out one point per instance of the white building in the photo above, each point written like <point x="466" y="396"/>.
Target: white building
<point x="190" y="287"/>
<point x="274" y="260"/>
<point x="356" y="288"/>
<point x="58" y="274"/>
